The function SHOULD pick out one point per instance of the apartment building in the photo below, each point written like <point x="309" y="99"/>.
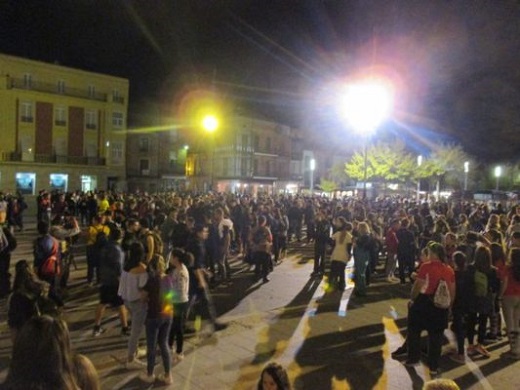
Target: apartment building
<point x="61" y="128"/>
<point x="247" y="155"/>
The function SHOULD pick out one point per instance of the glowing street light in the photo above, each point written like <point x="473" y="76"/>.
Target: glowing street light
<point x="498" y="173"/>
<point x="312" y="167"/>
<point x="366" y="104"/>
<point x="210" y="123"/>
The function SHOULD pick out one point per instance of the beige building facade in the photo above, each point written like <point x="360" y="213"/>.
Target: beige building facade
<point x="61" y="128"/>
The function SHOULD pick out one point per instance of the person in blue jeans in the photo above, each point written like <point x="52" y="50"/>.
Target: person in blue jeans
<point x="159" y="292"/>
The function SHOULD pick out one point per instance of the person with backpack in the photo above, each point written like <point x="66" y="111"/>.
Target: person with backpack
<point x="423" y="313"/>
<point x="47" y="261"/>
<point x="150" y="239"/>
<point x="27" y="288"/>
<point x="97" y="238"/>
<point x="483" y="284"/>
<point x="110" y="269"/>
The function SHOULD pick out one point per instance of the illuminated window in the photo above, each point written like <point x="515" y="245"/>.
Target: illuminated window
<point x="27" y="80"/>
<point x="144" y="145"/>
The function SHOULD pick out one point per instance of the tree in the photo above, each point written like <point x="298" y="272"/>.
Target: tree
<point x="328" y="185"/>
<point x="449" y="162"/>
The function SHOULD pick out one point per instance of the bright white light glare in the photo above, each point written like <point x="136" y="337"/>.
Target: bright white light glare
<point x="466" y="166"/>
<point x="107" y="144"/>
<point x="313" y="164"/>
<point x="210" y="123"/>
<point x="393" y="186"/>
<point x="366" y="104"/>
<point x="498" y="171"/>
<point x="419" y="160"/>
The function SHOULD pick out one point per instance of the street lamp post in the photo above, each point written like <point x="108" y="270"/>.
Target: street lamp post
<point x="210" y="124"/>
<point x="466" y="170"/>
<point x="498" y="173"/>
<point x="312" y="168"/>
<point x="419" y="163"/>
<point x="366" y="104"/>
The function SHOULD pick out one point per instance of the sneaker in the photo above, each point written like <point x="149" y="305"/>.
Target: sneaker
<point x="434" y="374"/>
<point x="457" y="358"/>
<point x="482" y="350"/>
<point x="135" y="365"/>
<point x="147" y="378"/>
<point x="472" y="350"/>
<point x="400" y="352"/>
<point x="177" y="357"/>
<point x="125" y="331"/>
<point x="98" y="330"/>
<point x="141" y="352"/>
<point x="166" y="378"/>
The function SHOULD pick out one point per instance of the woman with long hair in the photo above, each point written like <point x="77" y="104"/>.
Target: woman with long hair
<point x="180" y="260"/>
<point x="133" y="280"/>
<point x="274" y="377"/>
<point x="341" y="253"/>
<point x="510" y="293"/>
<point x="42" y="357"/>
<point x="363" y="247"/>
<point x="22" y="305"/>
<point x="483" y="282"/>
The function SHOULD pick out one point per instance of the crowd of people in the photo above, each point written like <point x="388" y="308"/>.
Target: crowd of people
<point x="156" y="258"/>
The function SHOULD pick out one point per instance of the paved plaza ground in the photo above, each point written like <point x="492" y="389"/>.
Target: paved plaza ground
<point x="326" y="340"/>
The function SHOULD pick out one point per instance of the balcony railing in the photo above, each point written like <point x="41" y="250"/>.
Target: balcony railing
<point x="54" y="89"/>
<point x="54" y="159"/>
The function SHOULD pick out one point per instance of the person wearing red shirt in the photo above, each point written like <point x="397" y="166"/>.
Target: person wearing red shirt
<point x="423" y="314"/>
<point x="510" y="293"/>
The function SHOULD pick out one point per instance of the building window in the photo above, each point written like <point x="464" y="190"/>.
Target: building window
<point x="60" y="116"/>
<point x="268" y="168"/>
<point x="245" y="141"/>
<point x="25" y="183"/>
<point x="256" y="143"/>
<point x="26" y="112"/>
<point x="59" y="181"/>
<point x="268" y="144"/>
<point x="91" y="91"/>
<point x="117" y="119"/>
<point x="116" y="97"/>
<point x="61" y="86"/>
<point x="27" y="80"/>
<point x="91" y="119"/>
<point x="226" y="166"/>
<point x="255" y="167"/>
<point x="117" y="150"/>
<point x="144" y="144"/>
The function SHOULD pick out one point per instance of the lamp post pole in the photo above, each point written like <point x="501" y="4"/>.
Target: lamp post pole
<point x="365" y="167"/>
<point x="312" y="167"/>
<point x="419" y="163"/>
<point x="466" y="170"/>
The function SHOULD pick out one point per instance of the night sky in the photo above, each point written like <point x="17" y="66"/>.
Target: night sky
<point x="455" y="63"/>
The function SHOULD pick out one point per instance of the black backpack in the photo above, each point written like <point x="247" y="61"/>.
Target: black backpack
<point x="100" y="242"/>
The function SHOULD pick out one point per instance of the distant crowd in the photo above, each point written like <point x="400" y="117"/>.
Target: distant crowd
<point x="157" y="257"/>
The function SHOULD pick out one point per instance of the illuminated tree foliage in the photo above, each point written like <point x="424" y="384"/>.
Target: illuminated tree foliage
<point x="391" y="162"/>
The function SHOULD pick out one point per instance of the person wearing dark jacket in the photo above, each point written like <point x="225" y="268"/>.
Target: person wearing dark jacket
<point x="7" y="245"/>
<point x="111" y="266"/>
<point x="321" y="238"/>
<point x="406" y="251"/>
